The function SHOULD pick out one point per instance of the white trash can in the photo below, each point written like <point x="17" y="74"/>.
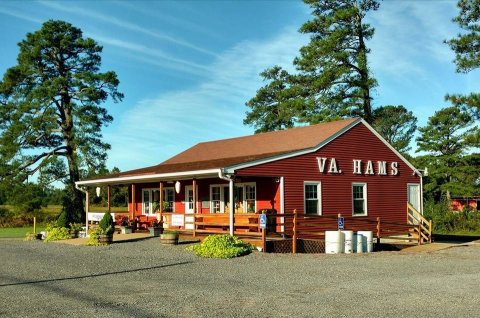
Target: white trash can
<point x="333" y="242"/>
<point x="367" y="241"/>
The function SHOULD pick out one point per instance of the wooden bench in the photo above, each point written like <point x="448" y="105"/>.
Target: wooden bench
<point x="214" y="223"/>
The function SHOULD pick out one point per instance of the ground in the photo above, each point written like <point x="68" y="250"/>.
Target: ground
<point x="146" y="279"/>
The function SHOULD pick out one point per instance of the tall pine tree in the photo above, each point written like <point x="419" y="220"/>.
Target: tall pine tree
<point x="50" y="112"/>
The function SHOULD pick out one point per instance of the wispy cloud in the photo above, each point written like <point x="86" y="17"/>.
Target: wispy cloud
<point x="19" y="15"/>
<point x="211" y="110"/>
<point x="124" y="24"/>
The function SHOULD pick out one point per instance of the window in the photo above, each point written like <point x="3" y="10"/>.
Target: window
<point x="359" y="191"/>
<point x="250" y="198"/>
<point x="168" y="199"/>
<point x="215" y="200"/>
<point x="312" y="196"/>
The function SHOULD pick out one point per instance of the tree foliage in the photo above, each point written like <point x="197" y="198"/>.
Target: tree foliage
<point x="396" y="124"/>
<point x="467" y="51"/>
<point x="332" y="78"/>
<point x="452" y="166"/>
<point x="51" y="115"/>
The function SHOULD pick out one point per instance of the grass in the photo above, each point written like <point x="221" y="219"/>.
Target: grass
<point x="18" y="232"/>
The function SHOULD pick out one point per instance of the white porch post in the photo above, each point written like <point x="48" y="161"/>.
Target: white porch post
<point x="232" y="206"/>
<point x="87" y="200"/>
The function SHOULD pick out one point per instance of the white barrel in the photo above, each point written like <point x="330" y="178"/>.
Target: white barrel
<point x="358" y="243"/>
<point x="367" y="240"/>
<point x="333" y="242"/>
<point x="348" y="237"/>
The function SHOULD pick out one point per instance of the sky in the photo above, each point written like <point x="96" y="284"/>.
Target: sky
<point x="188" y="67"/>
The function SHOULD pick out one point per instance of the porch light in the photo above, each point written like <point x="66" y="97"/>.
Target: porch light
<point x="98" y="191"/>
<point x="177" y="187"/>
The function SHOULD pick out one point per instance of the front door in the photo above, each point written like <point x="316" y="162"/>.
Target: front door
<point x="414" y="196"/>
<point x="189" y="207"/>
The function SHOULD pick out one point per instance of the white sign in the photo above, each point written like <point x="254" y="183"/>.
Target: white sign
<point x="177" y="220"/>
<point x="95" y="216"/>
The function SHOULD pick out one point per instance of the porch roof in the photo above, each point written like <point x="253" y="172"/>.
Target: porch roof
<point x="207" y="159"/>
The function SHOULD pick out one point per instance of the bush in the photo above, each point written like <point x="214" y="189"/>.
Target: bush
<point x="221" y="246"/>
<point x="446" y="221"/>
<point x="55" y="233"/>
<point x="93" y="238"/>
<point x="107" y="224"/>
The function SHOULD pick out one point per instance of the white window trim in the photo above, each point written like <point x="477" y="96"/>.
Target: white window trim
<point x="222" y="203"/>
<point x="173" y="202"/>
<point x="365" y="197"/>
<point x="224" y="187"/>
<point x="319" y="196"/>
<point x="150" y="196"/>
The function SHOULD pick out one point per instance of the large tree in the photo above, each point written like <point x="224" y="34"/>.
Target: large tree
<point x="396" y="124"/>
<point x="273" y="107"/>
<point x="467" y="51"/>
<point x="446" y="140"/>
<point x="332" y="78"/>
<point x="333" y="65"/>
<point x="51" y="112"/>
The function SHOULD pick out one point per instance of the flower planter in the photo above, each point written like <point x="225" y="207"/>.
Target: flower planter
<point x="126" y="229"/>
<point x="169" y="238"/>
<point x="155" y="231"/>
<point x="105" y="238"/>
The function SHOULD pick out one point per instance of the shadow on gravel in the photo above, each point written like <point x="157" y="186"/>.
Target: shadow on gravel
<point x="93" y="275"/>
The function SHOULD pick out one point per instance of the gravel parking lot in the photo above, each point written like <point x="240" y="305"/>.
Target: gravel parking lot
<point x="146" y="279"/>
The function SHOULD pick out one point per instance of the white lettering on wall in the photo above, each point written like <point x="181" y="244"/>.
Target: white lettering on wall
<point x="357" y="166"/>
<point x="394" y="167"/>
<point x="382" y="168"/>
<point x="321" y="164"/>
<point x="333" y="166"/>
<point x="369" y="169"/>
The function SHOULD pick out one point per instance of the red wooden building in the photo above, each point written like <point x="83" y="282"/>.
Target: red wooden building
<point x="320" y="170"/>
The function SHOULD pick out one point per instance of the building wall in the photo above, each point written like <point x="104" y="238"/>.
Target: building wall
<point x="386" y="194"/>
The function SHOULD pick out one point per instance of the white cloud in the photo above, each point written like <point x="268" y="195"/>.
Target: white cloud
<point x="155" y="129"/>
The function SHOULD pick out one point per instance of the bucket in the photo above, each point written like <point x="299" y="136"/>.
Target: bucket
<point x="333" y="242"/>
<point x="367" y="241"/>
<point x="358" y="243"/>
<point x="348" y="246"/>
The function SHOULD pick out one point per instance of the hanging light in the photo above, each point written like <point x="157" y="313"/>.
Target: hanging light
<point x="177" y="187"/>
<point x="98" y="191"/>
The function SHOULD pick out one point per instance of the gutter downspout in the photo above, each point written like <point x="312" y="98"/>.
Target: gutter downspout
<point x="86" y="206"/>
<point x="230" y="188"/>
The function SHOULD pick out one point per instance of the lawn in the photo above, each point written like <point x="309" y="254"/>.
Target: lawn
<point x="18" y="232"/>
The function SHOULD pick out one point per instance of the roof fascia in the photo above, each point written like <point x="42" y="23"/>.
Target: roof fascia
<point x="151" y="177"/>
<point x="415" y="170"/>
<point x="231" y="169"/>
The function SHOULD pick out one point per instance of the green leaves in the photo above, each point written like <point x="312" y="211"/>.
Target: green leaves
<point x="332" y="79"/>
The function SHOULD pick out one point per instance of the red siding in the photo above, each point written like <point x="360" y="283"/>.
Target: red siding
<point x="387" y="195"/>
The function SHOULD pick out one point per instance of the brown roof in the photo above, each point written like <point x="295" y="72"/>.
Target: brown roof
<point x="233" y="151"/>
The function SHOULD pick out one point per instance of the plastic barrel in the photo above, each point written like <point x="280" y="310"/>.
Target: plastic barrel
<point x="358" y="243"/>
<point x="348" y="237"/>
<point x="367" y="240"/>
<point x="333" y="242"/>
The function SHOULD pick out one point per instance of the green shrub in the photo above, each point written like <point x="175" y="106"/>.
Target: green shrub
<point x="446" y="221"/>
<point x="221" y="246"/>
<point x="57" y="233"/>
<point x="106" y="224"/>
<point x="93" y="237"/>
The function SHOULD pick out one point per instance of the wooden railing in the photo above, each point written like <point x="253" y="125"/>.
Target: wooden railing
<point x="422" y="228"/>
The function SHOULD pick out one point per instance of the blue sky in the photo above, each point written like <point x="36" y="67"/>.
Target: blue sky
<point x="188" y="67"/>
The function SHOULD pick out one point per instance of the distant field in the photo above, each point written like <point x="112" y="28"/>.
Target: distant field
<point x="18" y="232"/>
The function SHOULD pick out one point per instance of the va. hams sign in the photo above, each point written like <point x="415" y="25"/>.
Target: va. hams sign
<point x="369" y="167"/>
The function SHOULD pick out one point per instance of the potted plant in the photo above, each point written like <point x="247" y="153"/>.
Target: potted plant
<point x="169" y="237"/>
<point x="75" y="228"/>
<point x="125" y="227"/>
<point x="106" y="227"/>
<point x="155" y="228"/>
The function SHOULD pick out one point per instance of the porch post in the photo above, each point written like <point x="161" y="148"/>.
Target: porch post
<point x="160" y="209"/>
<point x="87" y="200"/>
<point x="232" y="205"/>
<point x="194" y="189"/>
<point x="133" y="202"/>
<point x="108" y="199"/>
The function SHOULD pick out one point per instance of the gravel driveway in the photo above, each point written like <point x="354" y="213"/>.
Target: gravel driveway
<point x="146" y="279"/>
